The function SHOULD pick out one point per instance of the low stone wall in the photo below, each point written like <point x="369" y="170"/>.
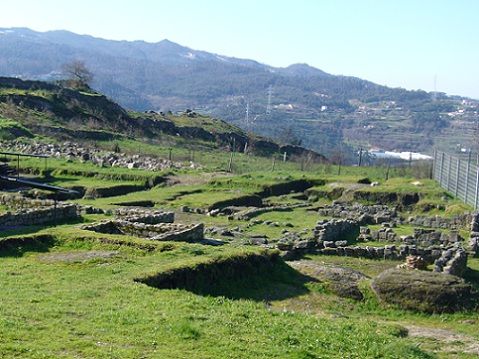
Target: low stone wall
<point x="475" y="222"/>
<point x="392" y="252"/>
<point x="16" y="201"/>
<point x="456" y="222"/>
<point x="145" y="216"/>
<point x="159" y="232"/>
<point x="452" y="261"/>
<point x="421" y="237"/>
<point x="40" y="215"/>
<point x="361" y="213"/>
<point x="474" y="240"/>
<point x="376" y="214"/>
<point x="334" y="230"/>
<point x="162" y="231"/>
<point x="188" y="233"/>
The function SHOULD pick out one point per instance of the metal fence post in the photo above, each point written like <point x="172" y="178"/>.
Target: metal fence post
<point x="457" y="176"/>
<point x="468" y="168"/>
<point x="449" y="172"/>
<point x="441" y="169"/>
<point x="477" y="188"/>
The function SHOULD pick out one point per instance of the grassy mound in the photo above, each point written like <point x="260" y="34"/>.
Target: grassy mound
<point x="424" y="291"/>
<point x="10" y="130"/>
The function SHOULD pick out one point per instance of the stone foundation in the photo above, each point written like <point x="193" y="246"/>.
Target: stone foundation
<point x="377" y="214"/>
<point x="387" y="252"/>
<point x="155" y="225"/>
<point x="456" y="222"/>
<point x="145" y="216"/>
<point x="421" y="237"/>
<point x="452" y="261"/>
<point x="334" y="230"/>
<point x="361" y="213"/>
<point x="16" y="201"/>
<point x="42" y="215"/>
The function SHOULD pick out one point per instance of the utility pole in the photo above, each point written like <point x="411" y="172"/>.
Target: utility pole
<point x="387" y="169"/>
<point x="246" y="118"/>
<point x="230" y="163"/>
<point x="360" y="156"/>
<point x="268" y="106"/>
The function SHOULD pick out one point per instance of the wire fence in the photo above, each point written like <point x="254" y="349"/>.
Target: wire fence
<point x="459" y="175"/>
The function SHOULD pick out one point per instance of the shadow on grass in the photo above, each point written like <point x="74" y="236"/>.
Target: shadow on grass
<point x="472" y="276"/>
<point x="15" y="242"/>
<point x="18" y="246"/>
<point x="256" y="277"/>
<point x="25" y="230"/>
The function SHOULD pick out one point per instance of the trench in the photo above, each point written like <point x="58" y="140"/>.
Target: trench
<point x="256" y="276"/>
<point x="277" y="189"/>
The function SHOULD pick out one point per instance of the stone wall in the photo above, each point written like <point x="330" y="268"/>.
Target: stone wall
<point x="16" y="201"/>
<point x="149" y="224"/>
<point x="158" y="232"/>
<point x="42" y="215"/>
<point x="334" y="230"/>
<point x="452" y="261"/>
<point x="421" y="236"/>
<point x="361" y="213"/>
<point x="474" y="240"/>
<point x="392" y="252"/>
<point x="162" y="231"/>
<point x="376" y="214"/>
<point x="461" y="221"/>
<point x="145" y="216"/>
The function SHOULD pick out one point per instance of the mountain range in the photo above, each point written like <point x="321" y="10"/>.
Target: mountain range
<point x="299" y="103"/>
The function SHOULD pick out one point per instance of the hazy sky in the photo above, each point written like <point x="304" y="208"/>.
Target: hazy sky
<point x="400" y="43"/>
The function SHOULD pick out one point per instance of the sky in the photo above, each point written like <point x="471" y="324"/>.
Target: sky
<point x="414" y="44"/>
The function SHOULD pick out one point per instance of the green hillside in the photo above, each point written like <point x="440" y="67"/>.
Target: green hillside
<point x="58" y="112"/>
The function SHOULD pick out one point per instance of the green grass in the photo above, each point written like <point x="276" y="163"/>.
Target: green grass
<point x="88" y="182"/>
<point x="95" y="309"/>
<point x="61" y="167"/>
<point x="10" y="129"/>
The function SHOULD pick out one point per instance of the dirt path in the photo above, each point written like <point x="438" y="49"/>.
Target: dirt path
<point x="76" y="256"/>
<point x="450" y="342"/>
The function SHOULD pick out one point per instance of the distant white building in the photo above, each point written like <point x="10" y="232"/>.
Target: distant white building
<point x="406" y="156"/>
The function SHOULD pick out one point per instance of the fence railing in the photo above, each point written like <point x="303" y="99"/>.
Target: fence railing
<point x="459" y="175"/>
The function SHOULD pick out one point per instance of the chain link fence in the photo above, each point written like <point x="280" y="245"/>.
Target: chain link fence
<point x="459" y="175"/>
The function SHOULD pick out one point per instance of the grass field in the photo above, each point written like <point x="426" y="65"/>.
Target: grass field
<point x="77" y="294"/>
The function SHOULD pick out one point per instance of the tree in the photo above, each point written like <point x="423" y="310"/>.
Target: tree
<point x="288" y="136"/>
<point x="78" y="73"/>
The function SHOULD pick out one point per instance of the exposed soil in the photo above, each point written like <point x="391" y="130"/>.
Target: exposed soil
<point x="72" y="257"/>
<point x="342" y="281"/>
<point x="453" y="342"/>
